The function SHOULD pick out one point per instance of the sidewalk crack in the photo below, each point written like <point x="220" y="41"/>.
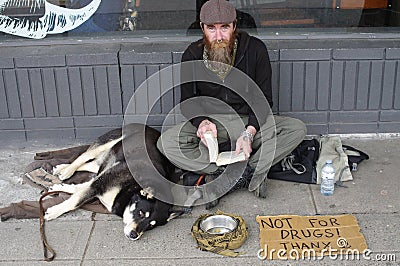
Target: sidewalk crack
<point x="313" y="199"/>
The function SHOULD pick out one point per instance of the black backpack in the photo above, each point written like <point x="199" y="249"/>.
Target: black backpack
<point x="299" y="165"/>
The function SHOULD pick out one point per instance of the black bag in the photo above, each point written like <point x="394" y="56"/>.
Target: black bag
<point x="299" y="165"/>
<point x="354" y="156"/>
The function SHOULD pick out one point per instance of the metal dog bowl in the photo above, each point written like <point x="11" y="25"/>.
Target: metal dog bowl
<point x="218" y="224"/>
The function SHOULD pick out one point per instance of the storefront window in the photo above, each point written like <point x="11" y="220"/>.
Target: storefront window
<point x="43" y="18"/>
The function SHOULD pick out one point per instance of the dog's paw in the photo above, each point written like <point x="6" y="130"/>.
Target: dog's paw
<point x="52" y="213"/>
<point x="56" y="187"/>
<point x="147" y="192"/>
<point x="58" y="168"/>
<point x="68" y="188"/>
<point x="66" y="173"/>
<point x="47" y="217"/>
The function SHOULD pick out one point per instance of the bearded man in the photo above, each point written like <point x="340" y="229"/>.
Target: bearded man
<point x="226" y="89"/>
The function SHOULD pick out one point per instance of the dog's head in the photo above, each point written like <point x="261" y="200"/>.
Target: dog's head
<point x="144" y="213"/>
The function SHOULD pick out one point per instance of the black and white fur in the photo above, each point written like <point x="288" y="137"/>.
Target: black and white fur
<point x="115" y="185"/>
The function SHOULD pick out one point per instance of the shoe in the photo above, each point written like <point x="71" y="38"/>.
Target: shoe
<point x="261" y="190"/>
<point x="244" y="180"/>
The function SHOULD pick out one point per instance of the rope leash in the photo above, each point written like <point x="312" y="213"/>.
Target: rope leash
<point x="221" y="244"/>
<point x="46" y="247"/>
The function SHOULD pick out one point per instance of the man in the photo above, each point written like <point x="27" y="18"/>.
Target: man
<point x="243" y="20"/>
<point x="231" y="75"/>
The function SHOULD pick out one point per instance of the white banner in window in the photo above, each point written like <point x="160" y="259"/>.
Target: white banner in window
<point x="37" y="18"/>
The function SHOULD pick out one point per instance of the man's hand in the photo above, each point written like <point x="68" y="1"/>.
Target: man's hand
<point x="206" y="125"/>
<point x="243" y="143"/>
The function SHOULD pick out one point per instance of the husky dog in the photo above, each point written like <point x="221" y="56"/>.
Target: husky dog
<point x="115" y="183"/>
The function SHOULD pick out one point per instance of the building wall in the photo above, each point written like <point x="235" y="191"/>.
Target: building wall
<point x="82" y="90"/>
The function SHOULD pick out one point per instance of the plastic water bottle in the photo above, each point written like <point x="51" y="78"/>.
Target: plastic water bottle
<point x="328" y="178"/>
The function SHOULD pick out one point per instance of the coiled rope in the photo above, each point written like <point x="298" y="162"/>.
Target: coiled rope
<point x="223" y="244"/>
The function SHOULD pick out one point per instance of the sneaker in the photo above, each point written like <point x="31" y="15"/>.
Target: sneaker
<point x="244" y="180"/>
<point x="261" y="190"/>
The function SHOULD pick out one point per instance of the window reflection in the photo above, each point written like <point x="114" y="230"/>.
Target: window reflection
<point x="253" y="14"/>
<point x="182" y="16"/>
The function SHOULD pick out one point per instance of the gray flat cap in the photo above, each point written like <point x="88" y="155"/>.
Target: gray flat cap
<point x="217" y="11"/>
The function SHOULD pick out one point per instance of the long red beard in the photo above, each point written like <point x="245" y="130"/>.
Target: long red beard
<point x="220" y="51"/>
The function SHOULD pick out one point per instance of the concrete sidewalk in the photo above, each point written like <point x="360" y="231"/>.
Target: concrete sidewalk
<point x="83" y="238"/>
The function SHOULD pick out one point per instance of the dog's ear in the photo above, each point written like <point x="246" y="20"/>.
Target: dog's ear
<point x="135" y="198"/>
<point x="173" y="213"/>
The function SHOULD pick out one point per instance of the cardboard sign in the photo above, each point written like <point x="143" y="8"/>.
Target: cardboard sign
<point x="300" y="237"/>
